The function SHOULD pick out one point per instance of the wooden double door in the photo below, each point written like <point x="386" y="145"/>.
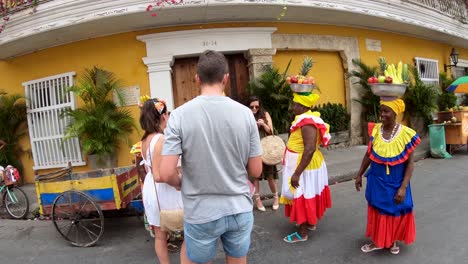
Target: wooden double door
<point x="185" y="88"/>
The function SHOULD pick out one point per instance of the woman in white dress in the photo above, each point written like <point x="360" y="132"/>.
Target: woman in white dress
<point x="153" y="120"/>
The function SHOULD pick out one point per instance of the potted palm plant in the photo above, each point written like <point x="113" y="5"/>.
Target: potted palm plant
<point x="369" y="101"/>
<point x="99" y="124"/>
<point x="274" y="93"/>
<point x="421" y="101"/>
<point x="13" y="128"/>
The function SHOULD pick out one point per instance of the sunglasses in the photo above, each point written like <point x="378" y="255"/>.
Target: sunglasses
<point x="254" y="107"/>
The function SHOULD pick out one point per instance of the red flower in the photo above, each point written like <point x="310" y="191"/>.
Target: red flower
<point x="149" y="8"/>
<point x="153" y="14"/>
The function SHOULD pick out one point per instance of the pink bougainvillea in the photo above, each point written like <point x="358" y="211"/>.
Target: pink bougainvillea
<point x="8" y="7"/>
<point x="159" y="4"/>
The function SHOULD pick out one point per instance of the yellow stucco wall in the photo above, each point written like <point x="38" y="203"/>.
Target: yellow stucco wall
<point x="123" y="53"/>
<point x="327" y="70"/>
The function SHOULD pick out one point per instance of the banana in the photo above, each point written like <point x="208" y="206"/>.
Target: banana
<point x="405" y="73"/>
<point x="390" y="70"/>
<point x="395" y="77"/>
<point x="399" y="70"/>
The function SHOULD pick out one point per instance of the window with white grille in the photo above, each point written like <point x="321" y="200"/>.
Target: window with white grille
<point x="46" y="100"/>
<point x="459" y="72"/>
<point x="461" y="69"/>
<point x="428" y="70"/>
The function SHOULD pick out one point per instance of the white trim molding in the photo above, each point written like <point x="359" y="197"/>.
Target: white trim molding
<point x="163" y="48"/>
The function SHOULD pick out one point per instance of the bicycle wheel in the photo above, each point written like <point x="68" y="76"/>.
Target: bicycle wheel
<point x="78" y="218"/>
<point x="16" y="202"/>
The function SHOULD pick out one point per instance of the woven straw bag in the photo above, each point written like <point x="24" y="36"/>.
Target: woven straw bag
<point x="273" y="149"/>
<point x="169" y="220"/>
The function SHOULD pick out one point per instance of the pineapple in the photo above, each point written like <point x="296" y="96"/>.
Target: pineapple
<point x="306" y="66"/>
<point x="382" y="65"/>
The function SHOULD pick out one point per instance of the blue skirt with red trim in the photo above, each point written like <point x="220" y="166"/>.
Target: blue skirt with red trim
<point x="387" y="221"/>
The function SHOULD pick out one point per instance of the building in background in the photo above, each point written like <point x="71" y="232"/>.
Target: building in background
<point x="155" y="52"/>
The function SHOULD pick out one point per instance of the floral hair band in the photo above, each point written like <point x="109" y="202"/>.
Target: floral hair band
<point x="159" y="104"/>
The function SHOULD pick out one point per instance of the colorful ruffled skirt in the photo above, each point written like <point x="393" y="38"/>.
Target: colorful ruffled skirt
<point x="387" y="221"/>
<point x="307" y="203"/>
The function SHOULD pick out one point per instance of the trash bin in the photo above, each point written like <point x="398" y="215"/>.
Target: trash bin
<point x="437" y="141"/>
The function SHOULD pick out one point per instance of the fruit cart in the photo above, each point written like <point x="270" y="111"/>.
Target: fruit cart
<point x="75" y="201"/>
<point x="456" y="127"/>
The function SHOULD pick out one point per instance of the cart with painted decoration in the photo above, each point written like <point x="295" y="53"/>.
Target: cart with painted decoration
<point x="76" y="201"/>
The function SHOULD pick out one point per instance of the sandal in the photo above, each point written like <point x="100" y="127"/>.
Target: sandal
<point x="395" y="249"/>
<point x="257" y="200"/>
<point x="276" y="201"/>
<point x="369" y="247"/>
<point x="289" y="238"/>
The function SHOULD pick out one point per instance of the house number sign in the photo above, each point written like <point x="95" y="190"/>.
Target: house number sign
<point x="209" y="43"/>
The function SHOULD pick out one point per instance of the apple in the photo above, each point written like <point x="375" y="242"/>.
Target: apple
<point x="381" y="79"/>
<point x="288" y="79"/>
<point x="294" y="79"/>
<point x="388" y="80"/>
<point x="300" y="81"/>
<point x="372" y="80"/>
<point x="306" y="81"/>
<point x="312" y="80"/>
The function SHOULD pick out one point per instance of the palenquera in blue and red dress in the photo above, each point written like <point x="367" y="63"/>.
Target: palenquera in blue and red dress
<point x="388" y="192"/>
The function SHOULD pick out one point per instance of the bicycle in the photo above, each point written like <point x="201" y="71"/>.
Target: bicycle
<point x="13" y="198"/>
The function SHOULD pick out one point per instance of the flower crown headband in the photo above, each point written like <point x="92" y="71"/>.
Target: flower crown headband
<point x="159" y="104"/>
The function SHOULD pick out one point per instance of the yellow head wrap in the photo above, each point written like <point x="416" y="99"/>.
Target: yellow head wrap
<point x="398" y="105"/>
<point x="306" y="100"/>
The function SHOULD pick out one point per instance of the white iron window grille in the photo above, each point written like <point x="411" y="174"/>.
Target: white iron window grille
<point x="47" y="98"/>
<point x="461" y="69"/>
<point x="428" y="70"/>
<point x="459" y="72"/>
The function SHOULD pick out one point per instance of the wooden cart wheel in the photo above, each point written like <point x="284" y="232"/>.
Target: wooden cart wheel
<point x="78" y="218"/>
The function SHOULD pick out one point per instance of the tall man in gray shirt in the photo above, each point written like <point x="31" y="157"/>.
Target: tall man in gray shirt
<point x="220" y="146"/>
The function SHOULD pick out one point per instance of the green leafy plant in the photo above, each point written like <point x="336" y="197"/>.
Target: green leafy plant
<point x="369" y="101"/>
<point x="335" y="115"/>
<point x="447" y="99"/>
<point x="13" y="128"/>
<point x="274" y="93"/>
<point x="99" y="124"/>
<point x="421" y="99"/>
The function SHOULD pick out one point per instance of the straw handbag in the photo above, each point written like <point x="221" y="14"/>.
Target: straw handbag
<point x="170" y="220"/>
<point x="273" y="149"/>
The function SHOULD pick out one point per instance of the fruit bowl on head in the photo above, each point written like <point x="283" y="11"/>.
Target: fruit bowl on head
<point x="388" y="91"/>
<point x="301" y="88"/>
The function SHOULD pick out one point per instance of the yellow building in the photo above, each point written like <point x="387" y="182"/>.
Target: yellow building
<point x="156" y="54"/>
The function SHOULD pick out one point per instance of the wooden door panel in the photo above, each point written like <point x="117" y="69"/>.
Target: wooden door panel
<point x="239" y="76"/>
<point x="183" y="80"/>
<point x="185" y="87"/>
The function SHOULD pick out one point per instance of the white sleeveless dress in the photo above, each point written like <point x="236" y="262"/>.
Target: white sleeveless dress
<point x="169" y="197"/>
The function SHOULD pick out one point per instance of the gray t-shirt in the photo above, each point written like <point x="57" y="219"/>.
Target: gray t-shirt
<point x="215" y="136"/>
